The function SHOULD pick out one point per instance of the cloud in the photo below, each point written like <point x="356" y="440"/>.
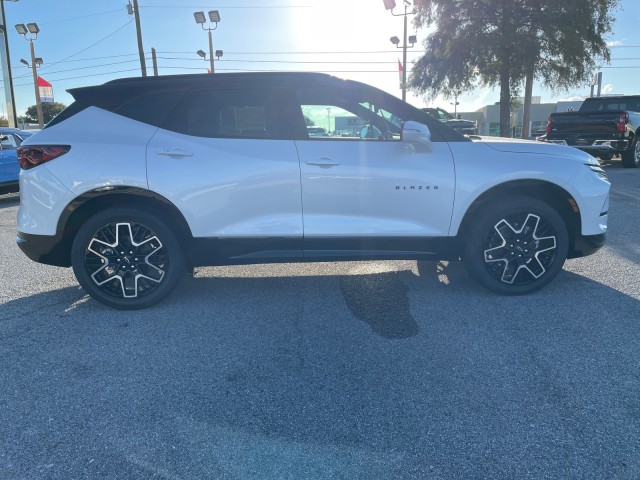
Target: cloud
<point x="608" y="88"/>
<point x="615" y="43"/>
<point x="571" y="99"/>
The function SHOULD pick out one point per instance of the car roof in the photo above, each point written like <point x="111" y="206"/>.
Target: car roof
<point x="241" y="79"/>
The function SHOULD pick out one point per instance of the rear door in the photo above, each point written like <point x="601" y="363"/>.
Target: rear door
<point x="225" y="159"/>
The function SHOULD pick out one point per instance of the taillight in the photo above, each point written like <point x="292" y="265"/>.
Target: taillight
<point x="32" y="156"/>
<point x="622" y="122"/>
<point x="548" y="129"/>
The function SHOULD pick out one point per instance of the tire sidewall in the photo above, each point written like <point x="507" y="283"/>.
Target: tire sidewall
<point x="629" y="158"/>
<point x="484" y="223"/>
<point x="173" y="274"/>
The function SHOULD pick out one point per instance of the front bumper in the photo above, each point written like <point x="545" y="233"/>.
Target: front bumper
<point x="587" y="245"/>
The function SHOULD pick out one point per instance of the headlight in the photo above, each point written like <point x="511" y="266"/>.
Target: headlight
<point x="597" y="169"/>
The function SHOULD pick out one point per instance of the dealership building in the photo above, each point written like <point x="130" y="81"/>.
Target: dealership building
<point x="488" y="118"/>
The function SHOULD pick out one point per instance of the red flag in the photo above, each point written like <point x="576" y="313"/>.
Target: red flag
<point x="400" y="71"/>
<point x="46" y="90"/>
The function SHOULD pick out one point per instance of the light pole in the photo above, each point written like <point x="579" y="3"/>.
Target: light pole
<point x="202" y="53"/>
<point x="390" y="5"/>
<point x="33" y="29"/>
<point x="329" y="120"/>
<point x="12" y="116"/>
<point x="214" y="17"/>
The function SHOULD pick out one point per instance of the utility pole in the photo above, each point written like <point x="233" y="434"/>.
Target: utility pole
<point x="136" y="14"/>
<point x="5" y="61"/>
<point x="155" y="62"/>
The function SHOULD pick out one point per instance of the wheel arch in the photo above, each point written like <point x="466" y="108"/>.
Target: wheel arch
<point x="551" y="194"/>
<point x="81" y="208"/>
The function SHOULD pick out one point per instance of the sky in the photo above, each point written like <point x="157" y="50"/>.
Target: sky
<point x="89" y="42"/>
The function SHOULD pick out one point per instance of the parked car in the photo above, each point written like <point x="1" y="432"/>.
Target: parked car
<point x="10" y="140"/>
<point x="603" y="126"/>
<point x="466" y="127"/>
<point x="317" y="132"/>
<point x="141" y="179"/>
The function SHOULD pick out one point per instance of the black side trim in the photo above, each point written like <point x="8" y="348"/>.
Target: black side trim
<point x="43" y="249"/>
<point x="9" y="187"/>
<point x="242" y="251"/>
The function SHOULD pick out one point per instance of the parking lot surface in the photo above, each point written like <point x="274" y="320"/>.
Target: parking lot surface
<point x="391" y="370"/>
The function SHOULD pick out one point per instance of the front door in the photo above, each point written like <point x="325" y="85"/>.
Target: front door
<point x="360" y="182"/>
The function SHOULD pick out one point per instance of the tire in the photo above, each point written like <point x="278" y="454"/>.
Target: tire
<point x="515" y="246"/>
<point x="144" y="272"/>
<point x="631" y="158"/>
<point x="605" y="157"/>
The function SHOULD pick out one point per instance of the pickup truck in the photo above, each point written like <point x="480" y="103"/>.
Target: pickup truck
<point x="603" y="127"/>
<point x="465" y="127"/>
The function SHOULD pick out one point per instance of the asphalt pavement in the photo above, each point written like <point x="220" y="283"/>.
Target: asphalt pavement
<point x="359" y="370"/>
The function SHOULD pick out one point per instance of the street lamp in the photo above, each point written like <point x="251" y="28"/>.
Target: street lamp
<point x="214" y="17"/>
<point x="5" y="62"/>
<point x="33" y="29"/>
<point x="390" y="5"/>
<point x="203" y="54"/>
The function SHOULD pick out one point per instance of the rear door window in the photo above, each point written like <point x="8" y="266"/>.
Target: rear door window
<point x="245" y="113"/>
<point x="152" y="108"/>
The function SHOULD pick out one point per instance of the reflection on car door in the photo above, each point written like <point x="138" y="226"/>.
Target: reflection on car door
<point x="364" y="182"/>
<point x="225" y="162"/>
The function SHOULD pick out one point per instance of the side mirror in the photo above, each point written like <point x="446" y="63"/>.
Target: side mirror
<point x="415" y="132"/>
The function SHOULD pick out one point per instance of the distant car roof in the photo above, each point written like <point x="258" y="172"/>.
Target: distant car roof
<point x="22" y="133"/>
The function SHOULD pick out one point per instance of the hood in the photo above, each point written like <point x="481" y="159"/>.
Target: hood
<point x="517" y="145"/>
<point x="460" y="122"/>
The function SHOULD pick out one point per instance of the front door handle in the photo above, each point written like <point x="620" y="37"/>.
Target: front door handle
<point x="323" y="162"/>
<point x="174" y="153"/>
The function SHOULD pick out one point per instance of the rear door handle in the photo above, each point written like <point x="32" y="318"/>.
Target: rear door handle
<point x="323" y="162"/>
<point x="174" y="153"/>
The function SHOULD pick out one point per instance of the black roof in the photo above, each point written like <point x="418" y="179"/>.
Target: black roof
<point x="243" y="79"/>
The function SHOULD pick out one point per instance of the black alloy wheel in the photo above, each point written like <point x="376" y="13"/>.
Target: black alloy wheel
<point x="127" y="258"/>
<point x="631" y="158"/>
<point x="516" y="247"/>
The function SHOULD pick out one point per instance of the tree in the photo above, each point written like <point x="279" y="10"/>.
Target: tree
<point x="49" y="110"/>
<point x="4" y="122"/>
<point x="499" y="42"/>
<point x="309" y="122"/>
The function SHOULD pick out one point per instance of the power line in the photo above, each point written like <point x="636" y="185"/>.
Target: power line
<point x="306" y="53"/>
<point x="90" y="46"/>
<point x="80" y="68"/>
<point x="83" y="76"/>
<point x="282" y="61"/>
<point x="80" y="17"/>
<point x="220" y="7"/>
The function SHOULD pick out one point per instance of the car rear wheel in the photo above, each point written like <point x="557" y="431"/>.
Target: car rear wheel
<point x="126" y="258"/>
<point x="516" y="247"/>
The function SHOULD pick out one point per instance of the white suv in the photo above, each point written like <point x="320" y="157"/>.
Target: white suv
<point x="142" y="179"/>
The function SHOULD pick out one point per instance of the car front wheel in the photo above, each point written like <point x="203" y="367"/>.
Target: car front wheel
<point x="516" y="246"/>
<point x="126" y="258"/>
